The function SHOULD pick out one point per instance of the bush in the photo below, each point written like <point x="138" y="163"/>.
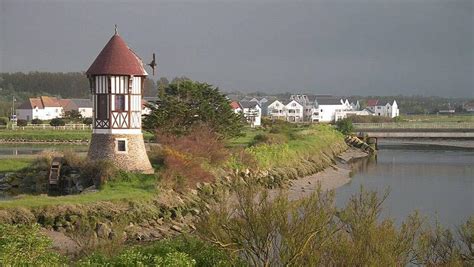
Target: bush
<point x="345" y="126"/>
<point x="180" y="251"/>
<point x="21" y="123"/>
<point x="22" y="245"/>
<point x="3" y="121"/>
<point x="87" y="121"/>
<point x="188" y="158"/>
<point x="98" y="172"/>
<point x="36" y="121"/>
<point x="57" y="122"/>
<point x="369" y="119"/>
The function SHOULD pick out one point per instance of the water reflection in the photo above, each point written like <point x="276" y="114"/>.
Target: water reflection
<point x="13" y="150"/>
<point x="438" y="183"/>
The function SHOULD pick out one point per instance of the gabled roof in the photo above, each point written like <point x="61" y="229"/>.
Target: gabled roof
<point x="328" y="101"/>
<point x="117" y="58"/>
<point x="82" y="102"/>
<point x="40" y="102"/>
<point x="67" y="104"/>
<point x="234" y="105"/>
<point x="248" y="104"/>
<point x="372" y="102"/>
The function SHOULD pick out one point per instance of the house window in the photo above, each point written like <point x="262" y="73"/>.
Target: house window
<point x="119" y="102"/>
<point x="102" y="107"/>
<point x="321" y="110"/>
<point x="121" y="145"/>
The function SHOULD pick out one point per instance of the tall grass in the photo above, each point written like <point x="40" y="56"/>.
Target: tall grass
<point x="309" y="143"/>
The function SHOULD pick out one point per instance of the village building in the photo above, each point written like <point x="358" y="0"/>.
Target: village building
<point x="235" y="106"/>
<point x="276" y="110"/>
<point x="43" y="108"/>
<point x="47" y="108"/>
<point x="385" y="109"/>
<point x="330" y="109"/>
<point x="294" y="111"/>
<point x="116" y="82"/>
<point x="252" y="112"/>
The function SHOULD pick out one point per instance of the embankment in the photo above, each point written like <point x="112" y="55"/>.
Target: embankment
<point x="167" y="213"/>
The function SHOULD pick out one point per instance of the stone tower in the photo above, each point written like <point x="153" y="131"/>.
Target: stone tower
<point x="116" y="81"/>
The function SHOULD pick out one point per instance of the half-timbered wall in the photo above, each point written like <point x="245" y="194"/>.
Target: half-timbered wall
<point x="130" y="86"/>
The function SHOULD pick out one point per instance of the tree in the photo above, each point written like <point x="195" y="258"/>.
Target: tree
<point x="162" y="83"/>
<point x="73" y="115"/>
<point x="189" y="104"/>
<point x="149" y="88"/>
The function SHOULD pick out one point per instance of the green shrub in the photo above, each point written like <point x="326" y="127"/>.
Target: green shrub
<point x="3" y="121"/>
<point x="57" y="122"/>
<point x="36" y="121"/>
<point x="22" y="245"/>
<point x="180" y="251"/>
<point x="21" y="123"/>
<point x="345" y="126"/>
<point x="87" y="121"/>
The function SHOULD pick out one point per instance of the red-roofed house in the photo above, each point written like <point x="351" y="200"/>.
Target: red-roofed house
<point x="43" y="108"/>
<point x="236" y="106"/>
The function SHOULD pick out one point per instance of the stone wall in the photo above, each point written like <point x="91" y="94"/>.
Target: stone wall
<point x="102" y="147"/>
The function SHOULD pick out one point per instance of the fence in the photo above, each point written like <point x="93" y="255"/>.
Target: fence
<point x="415" y="125"/>
<point x="47" y="127"/>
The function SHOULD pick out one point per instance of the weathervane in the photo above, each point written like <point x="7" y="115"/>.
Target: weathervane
<point x="153" y="64"/>
<point x="116" y="31"/>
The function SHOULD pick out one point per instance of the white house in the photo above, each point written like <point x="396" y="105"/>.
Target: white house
<point x="276" y="110"/>
<point x="252" y="112"/>
<point x="294" y="111"/>
<point x="380" y="109"/>
<point x="43" y="108"/>
<point x="330" y="109"/>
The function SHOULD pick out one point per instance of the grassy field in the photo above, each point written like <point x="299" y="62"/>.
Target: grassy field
<point x="246" y="138"/>
<point x="131" y="186"/>
<point x="438" y="118"/>
<point x="13" y="165"/>
<point x="315" y="140"/>
<point x="50" y="135"/>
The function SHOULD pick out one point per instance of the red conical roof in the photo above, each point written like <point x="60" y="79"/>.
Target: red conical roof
<point x="117" y="58"/>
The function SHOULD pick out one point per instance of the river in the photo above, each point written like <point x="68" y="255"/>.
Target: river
<point x="436" y="181"/>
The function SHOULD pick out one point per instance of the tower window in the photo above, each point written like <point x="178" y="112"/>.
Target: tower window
<point x="121" y="145"/>
<point x="119" y="102"/>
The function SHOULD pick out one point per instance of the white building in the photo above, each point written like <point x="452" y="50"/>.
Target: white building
<point x="252" y="112"/>
<point x="294" y="111"/>
<point x="276" y="110"/>
<point x="383" y="109"/>
<point x="43" y="108"/>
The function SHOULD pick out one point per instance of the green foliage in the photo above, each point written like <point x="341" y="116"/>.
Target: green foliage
<point x="36" y="121"/>
<point x="39" y="83"/>
<point x="72" y="116"/>
<point x="369" y="119"/>
<point x="312" y="232"/>
<point x="22" y="245"/>
<point x="87" y="121"/>
<point x="186" y="104"/>
<point x="57" y="122"/>
<point x="345" y="126"/>
<point x="21" y="123"/>
<point x="180" y="251"/>
<point x="3" y="121"/>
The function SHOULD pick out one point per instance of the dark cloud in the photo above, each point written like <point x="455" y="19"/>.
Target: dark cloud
<point x="382" y="47"/>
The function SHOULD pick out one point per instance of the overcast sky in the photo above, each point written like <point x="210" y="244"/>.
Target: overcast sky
<point x="351" y="47"/>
